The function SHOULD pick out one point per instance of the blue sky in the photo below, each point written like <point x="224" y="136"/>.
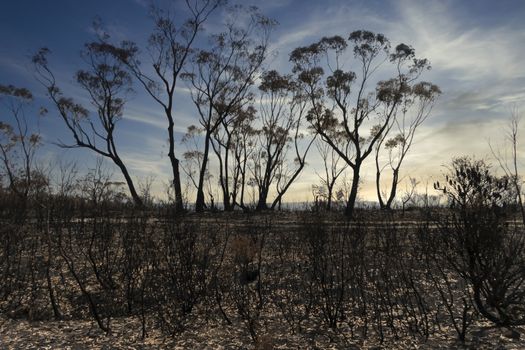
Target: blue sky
<point x="476" y="49"/>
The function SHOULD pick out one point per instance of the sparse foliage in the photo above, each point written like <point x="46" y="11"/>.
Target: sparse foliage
<point x="107" y="84"/>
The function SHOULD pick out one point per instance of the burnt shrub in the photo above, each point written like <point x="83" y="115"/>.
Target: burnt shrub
<point x="480" y="245"/>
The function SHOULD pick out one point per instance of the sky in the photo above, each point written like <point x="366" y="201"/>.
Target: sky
<point x="476" y="50"/>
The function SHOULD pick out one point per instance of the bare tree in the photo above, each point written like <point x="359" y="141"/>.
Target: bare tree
<point x="511" y="170"/>
<point x="410" y="192"/>
<point x="221" y="77"/>
<point x="107" y="83"/>
<point x="97" y="185"/>
<point x="243" y="146"/>
<point x="192" y="156"/>
<point x="332" y="170"/>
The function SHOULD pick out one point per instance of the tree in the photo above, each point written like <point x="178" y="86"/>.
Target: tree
<point x="511" y="170"/>
<point x="18" y="144"/>
<point x="282" y="109"/>
<point x="107" y="83"/>
<point x="332" y="170"/>
<point x="415" y="107"/>
<point x="192" y="156"/>
<point x="410" y="193"/>
<point x="243" y="147"/>
<point x="97" y="186"/>
<point x="233" y="144"/>
<point x="332" y="114"/>
<point x="220" y="78"/>
<point x="169" y="48"/>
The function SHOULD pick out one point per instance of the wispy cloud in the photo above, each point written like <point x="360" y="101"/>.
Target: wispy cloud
<point x="468" y="53"/>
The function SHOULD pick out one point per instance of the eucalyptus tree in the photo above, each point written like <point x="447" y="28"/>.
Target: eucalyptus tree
<point x="415" y="107"/>
<point x="244" y="145"/>
<point x="332" y="170"/>
<point x="281" y="114"/>
<point x="233" y="144"/>
<point x="107" y="84"/>
<point x="337" y="108"/>
<point x="220" y="77"/>
<point x="192" y="156"/>
<point x="169" y="47"/>
<point x="18" y="142"/>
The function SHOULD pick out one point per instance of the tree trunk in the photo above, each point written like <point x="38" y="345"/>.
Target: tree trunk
<point x="136" y="198"/>
<point x="199" y="203"/>
<point x="179" y="207"/>
<point x="243" y="177"/>
<point x="393" y="190"/>
<point x="329" y="199"/>
<point x="353" y="192"/>
<point x="261" y="204"/>
<point x="227" y="202"/>
<point x="280" y="195"/>
<point x="243" y="183"/>
<point x="378" y="190"/>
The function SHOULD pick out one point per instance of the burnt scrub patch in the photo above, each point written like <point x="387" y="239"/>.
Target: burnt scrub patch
<point x="275" y="280"/>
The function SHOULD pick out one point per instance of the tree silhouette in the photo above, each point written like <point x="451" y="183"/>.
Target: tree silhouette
<point x="282" y="110"/>
<point x="415" y="106"/>
<point x="220" y="78"/>
<point x="18" y="143"/>
<point x="170" y="46"/>
<point x="333" y="112"/>
<point x="511" y="170"/>
<point x="107" y="83"/>
<point x="332" y="170"/>
<point x="233" y="144"/>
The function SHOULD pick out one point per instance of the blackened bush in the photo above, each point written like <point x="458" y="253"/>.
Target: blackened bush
<point x="182" y="274"/>
<point x="480" y="246"/>
<point x="335" y="256"/>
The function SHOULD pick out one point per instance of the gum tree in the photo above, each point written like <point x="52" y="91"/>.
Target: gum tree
<point x="107" y="83"/>
<point x="233" y="144"/>
<point x="341" y="101"/>
<point x="281" y="113"/>
<point x="415" y="107"/>
<point x="18" y="143"/>
<point x="220" y="78"/>
<point x="332" y="170"/>
<point x="169" y="48"/>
